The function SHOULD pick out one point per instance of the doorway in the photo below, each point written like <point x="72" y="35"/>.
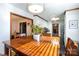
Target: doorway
<point x="19" y="25"/>
<point x="55" y="29"/>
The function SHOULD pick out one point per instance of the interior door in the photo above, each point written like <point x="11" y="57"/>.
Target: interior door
<point x="55" y="29"/>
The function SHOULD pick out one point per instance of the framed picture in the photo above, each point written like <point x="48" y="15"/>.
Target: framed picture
<point x="73" y="24"/>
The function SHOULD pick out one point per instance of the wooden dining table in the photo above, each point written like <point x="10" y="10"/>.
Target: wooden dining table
<point x="30" y="47"/>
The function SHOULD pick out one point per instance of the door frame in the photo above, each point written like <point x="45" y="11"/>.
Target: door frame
<point x="12" y="13"/>
<point x="58" y="28"/>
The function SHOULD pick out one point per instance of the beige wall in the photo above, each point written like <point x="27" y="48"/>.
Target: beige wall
<point x="16" y="20"/>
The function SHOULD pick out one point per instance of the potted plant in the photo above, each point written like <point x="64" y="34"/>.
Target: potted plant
<point x="37" y="31"/>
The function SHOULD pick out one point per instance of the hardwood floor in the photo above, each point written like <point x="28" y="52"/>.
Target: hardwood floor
<point x="29" y="47"/>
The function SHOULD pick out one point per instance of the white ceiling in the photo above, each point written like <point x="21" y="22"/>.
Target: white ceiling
<point x="50" y="9"/>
